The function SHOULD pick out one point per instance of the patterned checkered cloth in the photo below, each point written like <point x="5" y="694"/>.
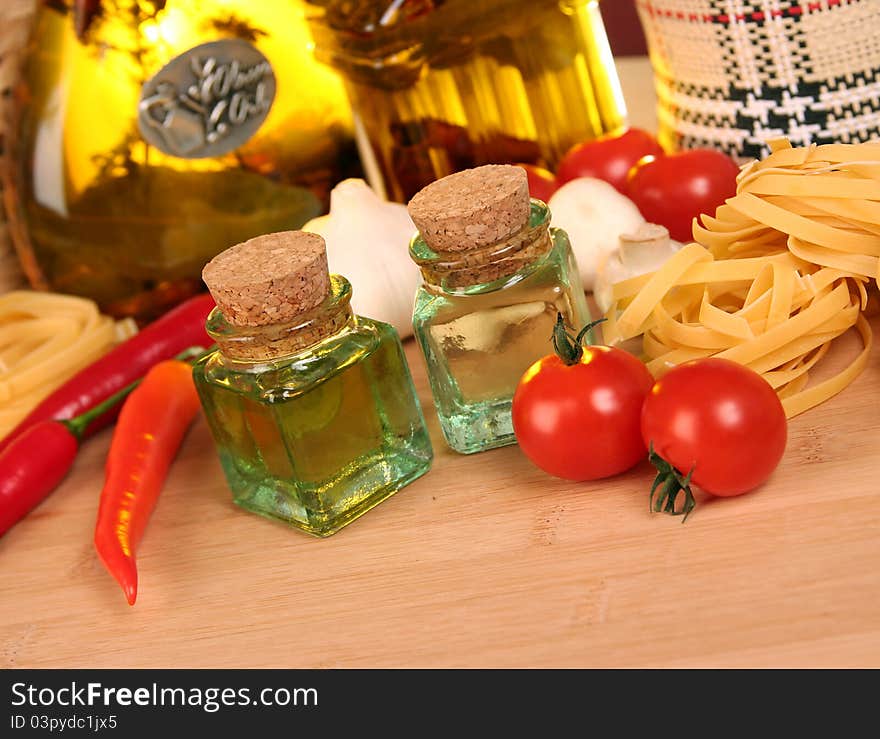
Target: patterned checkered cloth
<point x="731" y="74"/>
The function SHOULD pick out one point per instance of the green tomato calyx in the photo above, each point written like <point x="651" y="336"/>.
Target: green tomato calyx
<point x="668" y="483"/>
<point x="568" y="347"/>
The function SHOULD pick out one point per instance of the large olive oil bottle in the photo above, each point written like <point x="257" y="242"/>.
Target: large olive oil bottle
<point x="153" y="134"/>
<point x="443" y="85"/>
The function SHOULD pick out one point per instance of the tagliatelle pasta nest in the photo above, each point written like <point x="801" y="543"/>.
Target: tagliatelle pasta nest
<point x="780" y="271"/>
<point x="45" y="339"/>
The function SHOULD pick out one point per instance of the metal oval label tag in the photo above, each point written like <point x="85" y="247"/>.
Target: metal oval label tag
<point x="207" y="101"/>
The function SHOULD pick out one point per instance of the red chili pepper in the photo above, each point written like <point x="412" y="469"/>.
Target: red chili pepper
<point x="181" y="328"/>
<point x="37" y="460"/>
<point x="148" y="434"/>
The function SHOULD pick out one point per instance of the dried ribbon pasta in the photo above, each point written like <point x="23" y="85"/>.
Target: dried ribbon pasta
<point x="46" y="338"/>
<point x="780" y="271"/>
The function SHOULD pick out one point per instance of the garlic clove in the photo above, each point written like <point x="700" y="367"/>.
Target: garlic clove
<point x="642" y="251"/>
<point x="639" y="250"/>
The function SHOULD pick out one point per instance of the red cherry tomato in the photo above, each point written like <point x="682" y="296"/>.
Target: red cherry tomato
<point x="674" y="189"/>
<point x="719" y="419"/>
<point x="609" y="158"/>
<point x="580" y="421"/>
<point x="542" y="183"/>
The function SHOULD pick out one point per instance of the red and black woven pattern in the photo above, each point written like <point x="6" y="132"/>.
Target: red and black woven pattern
<point x="732" y="74"/>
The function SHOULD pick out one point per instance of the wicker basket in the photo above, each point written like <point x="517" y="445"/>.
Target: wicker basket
<point x="15" y="25"/>
<point x="732" y="75"/>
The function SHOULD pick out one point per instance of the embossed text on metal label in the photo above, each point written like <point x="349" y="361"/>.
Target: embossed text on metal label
<point x="207" y="101"/>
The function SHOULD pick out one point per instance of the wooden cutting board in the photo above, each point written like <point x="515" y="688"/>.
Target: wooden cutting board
<point x="486" y="561"/>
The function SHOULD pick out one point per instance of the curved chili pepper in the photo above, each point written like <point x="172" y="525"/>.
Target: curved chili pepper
<point x="32" y="467"/>
<point x="151" y="426"/>
<point x="181" y="328"/>
<point x="37" y="460"/>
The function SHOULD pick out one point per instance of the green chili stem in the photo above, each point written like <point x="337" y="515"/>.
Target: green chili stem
<point x="80" y="423"/>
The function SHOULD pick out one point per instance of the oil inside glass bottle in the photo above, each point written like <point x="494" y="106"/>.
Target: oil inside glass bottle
<point x="443" y="86"/>
<point x="318" y="450"/>
<point x="105" y="210"/>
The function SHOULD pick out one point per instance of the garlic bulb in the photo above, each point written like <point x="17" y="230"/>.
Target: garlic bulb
<point x="637" y="254"/>
<point x="367" y="243"/>
<point x="594" y="214"/>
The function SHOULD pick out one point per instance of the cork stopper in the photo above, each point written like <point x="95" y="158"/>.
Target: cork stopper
<point x="472" y="209"/>
<point x="269" y="279"/>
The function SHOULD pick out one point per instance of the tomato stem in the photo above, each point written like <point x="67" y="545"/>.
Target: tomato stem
<point x="668" y="483"/>
<point x="570" y="348"/>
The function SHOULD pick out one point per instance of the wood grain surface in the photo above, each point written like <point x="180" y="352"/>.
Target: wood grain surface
<point x="484" y="562"/>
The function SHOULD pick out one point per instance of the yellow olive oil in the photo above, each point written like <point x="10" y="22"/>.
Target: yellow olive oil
<point x="153" y="135"/>
<point x="318" y="438"/>
<point x="443" y="85"/>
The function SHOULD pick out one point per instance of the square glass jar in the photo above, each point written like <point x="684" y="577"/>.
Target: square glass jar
<point x="479" y="337"/>
<point x="318" y="437"/>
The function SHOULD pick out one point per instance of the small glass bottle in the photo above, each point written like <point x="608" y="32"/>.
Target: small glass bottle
<point x="312" y="408"/>
<point x="495" y="275"/>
